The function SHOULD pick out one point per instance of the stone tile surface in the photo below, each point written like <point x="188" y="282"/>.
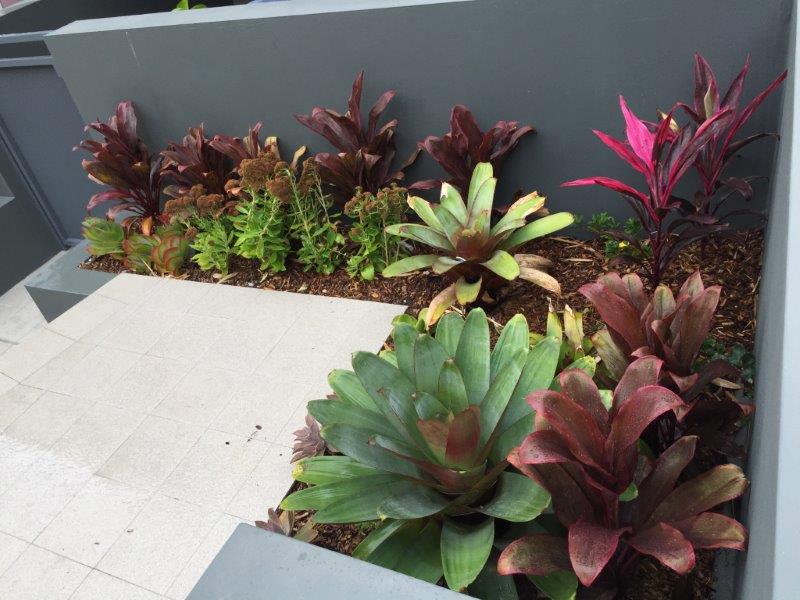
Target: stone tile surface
<point x="38" y="574"/>
<point x="140" y="427"/>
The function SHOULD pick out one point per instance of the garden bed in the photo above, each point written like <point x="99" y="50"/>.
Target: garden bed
<point x="732" y="261"/>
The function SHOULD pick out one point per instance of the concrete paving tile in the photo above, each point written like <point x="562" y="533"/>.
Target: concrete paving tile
<point x="16" y="297"/>
<point x="6" y="383"/>
<point x="93" y="520"/>
<point x="10" y="550"/>
<point x="16" y="459"/>
<point x="99" y="368"/>
<point x="85" y="316"/>
<point x="151" y="453"/>
<point x="189" y="337"/>
<point x="260" y="407"/>
<point x="39" y="574"/>
<point x="18" y="322"/>
<point x="199" y="397"/>
<point x="265" y="487"/>
<point x="96" y="435"/>
<point x="47" y="419"/>
<point x="16" y="401"/>
<point x="38" y="495"/>
<point x="159" y="543"/>
<point x="214" y="469"/>
<point x="144" y="383"/>
<point x="200" y="560"/>
<point x="129" y="288"/>
<point x="100" y="586"/>
<point x="176" y="295"/>
<point x="54" y="370"/>
<point x="242" y="347"/>
<point x="32" y="353"/>
<point x="137" y="330"/>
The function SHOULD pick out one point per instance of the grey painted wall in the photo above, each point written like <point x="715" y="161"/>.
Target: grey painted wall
<point x="771" y="564"/>
<point x="556" y="64"/>
<point x="26" y="241"/>
<point x="42" y="119"/>
<point x="39" y="113"/>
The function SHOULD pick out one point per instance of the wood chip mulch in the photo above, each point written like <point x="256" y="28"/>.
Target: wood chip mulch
<point x="732" y="261"/>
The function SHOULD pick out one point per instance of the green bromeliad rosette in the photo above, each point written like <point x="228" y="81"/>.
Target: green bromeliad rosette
<point x="423" y="434"/>
<point x="468" y="250"/>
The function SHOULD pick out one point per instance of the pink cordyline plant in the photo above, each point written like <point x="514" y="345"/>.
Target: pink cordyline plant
<point x="662" y="156"/>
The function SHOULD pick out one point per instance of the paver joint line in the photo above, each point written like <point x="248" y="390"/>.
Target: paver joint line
<point x="89" y="441"/>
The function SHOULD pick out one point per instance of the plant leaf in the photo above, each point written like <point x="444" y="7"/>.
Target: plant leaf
<point x="465" y="549"/>
<point x="473" y="357"/>
<point x="667" y="545"/>
<point x="590" y="548"/>
<point x="537" y="554"/>
<point x="409" y="264"/>
<point x="503" y="264"/>
<point x="537" y="229"/>
<point x="518" y="499"/>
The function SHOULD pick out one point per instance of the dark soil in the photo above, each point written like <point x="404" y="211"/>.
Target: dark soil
<point x="732" y="261"/>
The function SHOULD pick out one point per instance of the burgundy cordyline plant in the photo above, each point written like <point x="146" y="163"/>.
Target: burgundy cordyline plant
<point x="192" y="162"/>
<point x="461" y="149"/>
<point x="614" y="502"/>
<point x="237" y="149"/>
<point x="366" y="151"/>
<point x="713" y="159"/>
<point x="663" y="157"/>
<point x="123" y="162"/>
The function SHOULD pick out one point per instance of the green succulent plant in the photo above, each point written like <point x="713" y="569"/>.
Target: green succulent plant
<point x="423" y="434"/>
<point x="171" y="249"/>
<point x="471" y="252"/>
<point x="139" y="252"/>
<point x="105" y="237"/>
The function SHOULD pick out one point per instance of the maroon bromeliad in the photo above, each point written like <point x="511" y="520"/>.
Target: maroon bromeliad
<point x="587" y="457"/>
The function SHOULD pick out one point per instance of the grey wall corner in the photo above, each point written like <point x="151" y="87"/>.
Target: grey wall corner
<point x="770" y="569"/>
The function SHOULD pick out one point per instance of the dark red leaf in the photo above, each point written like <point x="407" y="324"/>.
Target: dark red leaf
<point x="713" y="530"/>
<point x="667" y="545"/>
<point x="537" y="554"/>
<point x="591" y="546"/>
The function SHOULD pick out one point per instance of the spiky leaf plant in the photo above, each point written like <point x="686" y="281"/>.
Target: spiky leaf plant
<point x="105" y="237"/>
<point x="139" y="252"/>
<point x="575" y="346"/>
<point x="471" y="252"/>
<point x="424" y="446"/>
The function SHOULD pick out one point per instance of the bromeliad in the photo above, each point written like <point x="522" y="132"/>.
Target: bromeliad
<point x="423" y="434"/>
<point x="673" y="329"/>
<point x="615" y="504"/>
<point x="471" y="252"/>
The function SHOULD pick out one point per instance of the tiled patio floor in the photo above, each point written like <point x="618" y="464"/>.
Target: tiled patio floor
<point x="140" y="427"/>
